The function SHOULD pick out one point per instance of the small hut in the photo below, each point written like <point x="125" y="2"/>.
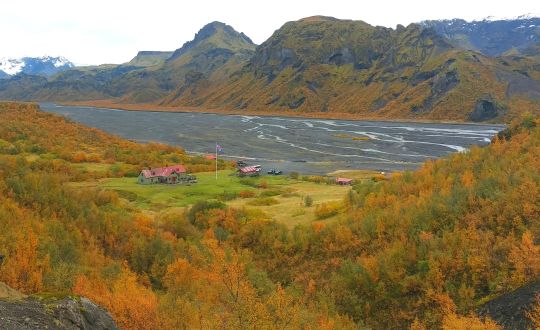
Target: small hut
<point x="344" y="181"/>
<point x="169" y="175"/>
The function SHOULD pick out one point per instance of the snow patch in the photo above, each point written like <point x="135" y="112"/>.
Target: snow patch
<point x="521" y="17"/>
<point x="11" y="66"/>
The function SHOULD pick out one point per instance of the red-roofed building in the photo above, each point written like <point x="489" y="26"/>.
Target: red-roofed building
<point x="170" y="174"/>
<point x="344" y="181"/>
<point x="249" y="171"/>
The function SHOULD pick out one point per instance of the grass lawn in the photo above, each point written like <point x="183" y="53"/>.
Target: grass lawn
<point x="158" y="197"/>
<point x="289" y="194"/>
<point x="357" y="175"/>
<point x="290" y="209"/>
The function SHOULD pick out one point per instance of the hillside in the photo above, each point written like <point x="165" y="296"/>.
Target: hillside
<point x="62" y="238"/>
<point x="422" y="249"/>
<point x="320" y="65"/>
<point x="217" y="47"/>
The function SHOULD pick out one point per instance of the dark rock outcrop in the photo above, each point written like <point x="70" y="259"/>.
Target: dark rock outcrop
<point x="68" y="313"/>
<point x="341" y="57"/>
<point x="509" y="310"/>
<point x="485" y="109"/>
<point x="20" y="312"/>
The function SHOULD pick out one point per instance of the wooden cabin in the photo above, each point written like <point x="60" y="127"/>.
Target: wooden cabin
<point x="344" y="181"/>
<point x="166" y="175"/>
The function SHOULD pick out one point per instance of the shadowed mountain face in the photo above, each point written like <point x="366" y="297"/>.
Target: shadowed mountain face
<point x="314" y="65"/>
<point x="492" y="38"/>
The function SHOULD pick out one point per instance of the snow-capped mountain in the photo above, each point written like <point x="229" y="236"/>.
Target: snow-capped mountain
<point x="506" y="18"/>
<point x="43" y="66"/>
<point x="491" y="36"/>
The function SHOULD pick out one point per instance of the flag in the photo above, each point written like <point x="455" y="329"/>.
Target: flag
<point x="219" y="148"/>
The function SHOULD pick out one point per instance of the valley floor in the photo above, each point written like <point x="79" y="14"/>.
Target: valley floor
<point x="114" y="104"/>
<point x="278" y="198"/>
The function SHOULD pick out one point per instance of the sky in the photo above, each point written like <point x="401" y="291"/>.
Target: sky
<point x="90" y="32"/>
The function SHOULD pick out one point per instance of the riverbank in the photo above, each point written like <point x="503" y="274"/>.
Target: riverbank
<point x="111" y="104"/>
<point x="303" y="145"/>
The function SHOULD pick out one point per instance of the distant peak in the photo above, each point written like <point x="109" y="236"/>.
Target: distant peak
<point x="211" y="28"/>
<point x="319" y="18"/>
<point x="215" y="24"/>
<point x="520" y="17"/>
<point x="45" y="65"/>
<point x="207" y="33"/>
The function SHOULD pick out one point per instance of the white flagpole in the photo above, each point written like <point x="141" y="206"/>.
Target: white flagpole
<point x="216" y="161"/>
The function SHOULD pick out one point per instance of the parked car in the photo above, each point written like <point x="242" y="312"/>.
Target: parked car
<point x="275" y="172"/>
<point x="241" y="163"/>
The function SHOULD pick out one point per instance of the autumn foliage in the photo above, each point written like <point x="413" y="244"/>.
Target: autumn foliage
<point x="422" y="250"/>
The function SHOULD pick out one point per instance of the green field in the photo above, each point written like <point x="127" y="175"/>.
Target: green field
<point x="157" y="197"/>
<point x="290" y="208"/>
<point x="287" y="194"/>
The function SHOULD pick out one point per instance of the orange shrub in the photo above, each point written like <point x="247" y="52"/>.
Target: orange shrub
<point x="79" y="157"/>
<point x="246" y="194"/>
<point x="327" y="210"/>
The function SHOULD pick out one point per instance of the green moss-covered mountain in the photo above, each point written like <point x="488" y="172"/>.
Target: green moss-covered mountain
<point x="149" y="58"/>
<point x="314" y="65"/>
<point x="148" y="77"/>
<point x="322" y="64"/>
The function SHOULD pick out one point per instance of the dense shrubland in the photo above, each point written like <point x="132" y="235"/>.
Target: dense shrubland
<point x="421" y="250"/>
<point x="30" y="131"/>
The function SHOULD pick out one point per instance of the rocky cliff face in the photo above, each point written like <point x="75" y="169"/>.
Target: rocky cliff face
<point x="20" y="312"/>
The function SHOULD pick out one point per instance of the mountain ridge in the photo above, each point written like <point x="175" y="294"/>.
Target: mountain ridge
<point x="147" y="58"/>
<point x="316" y="64"/>
<point x="321" y="64"/>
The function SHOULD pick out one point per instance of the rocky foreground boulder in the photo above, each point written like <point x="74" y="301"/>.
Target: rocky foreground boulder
<point x="20" y="312"/>
<point x="510" y="310"/>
